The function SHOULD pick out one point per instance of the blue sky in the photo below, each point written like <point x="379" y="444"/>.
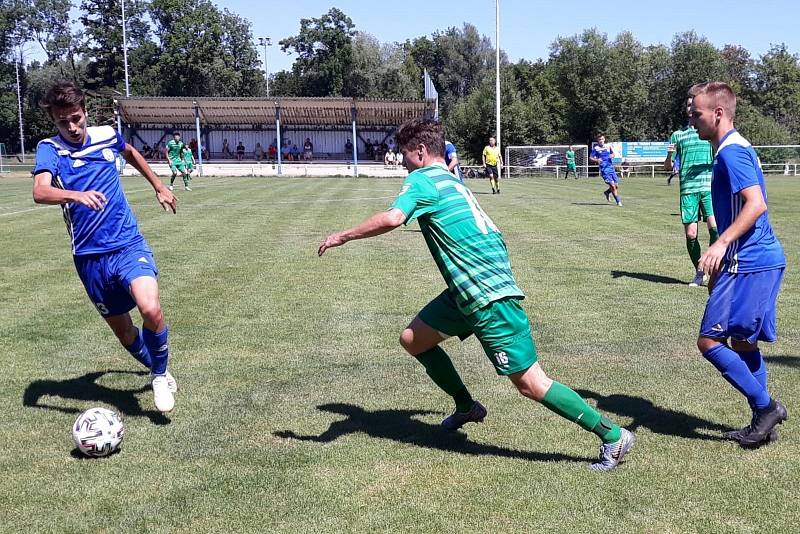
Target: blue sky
<point x="529" y="27"/>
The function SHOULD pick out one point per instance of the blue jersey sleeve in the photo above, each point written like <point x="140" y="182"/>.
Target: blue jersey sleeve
<point x="740" y="167"/>
<point x="594" y="153"/>
<point x="46" y="159"/>
<point x="119" y="146"/>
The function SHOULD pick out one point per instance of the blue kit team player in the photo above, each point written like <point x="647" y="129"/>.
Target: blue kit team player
<point x="451" y="160"/>
<point x="78" y="170"/>
<point x="746" y="265"/>
<point x="603" y="155"/>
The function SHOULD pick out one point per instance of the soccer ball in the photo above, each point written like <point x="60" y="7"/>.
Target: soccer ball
<point x="98" y="432"/>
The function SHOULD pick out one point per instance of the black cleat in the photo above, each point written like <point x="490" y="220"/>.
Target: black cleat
<point x="764" y="422"/>
<point x="736" y="435"/>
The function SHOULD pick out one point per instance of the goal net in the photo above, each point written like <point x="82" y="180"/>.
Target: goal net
<point x="779" y="159"/>
<point x="544" y="159"/>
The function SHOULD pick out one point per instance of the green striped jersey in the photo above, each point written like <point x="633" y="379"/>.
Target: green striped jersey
<point x="696" y="160"/>
<point x="464" y="242"/>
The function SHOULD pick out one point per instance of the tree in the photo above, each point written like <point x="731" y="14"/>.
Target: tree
<point x="778" y="87"/>
<point x="324" y="48"/>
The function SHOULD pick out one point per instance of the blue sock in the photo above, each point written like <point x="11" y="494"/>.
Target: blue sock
<point x="159" y="349"/>
<point x="139" y="351"/>
<point x="755" y="362"/>
<point x="736" y="372"/>
<point x="618" y="198"/>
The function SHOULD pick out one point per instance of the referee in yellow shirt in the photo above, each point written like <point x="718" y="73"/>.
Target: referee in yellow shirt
<point x="492" y="162"/>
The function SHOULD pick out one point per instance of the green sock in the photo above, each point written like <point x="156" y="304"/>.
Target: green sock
<point x="439" y="367"/>
<point x="569" y="405"/>
<point x="693" y="246"/>
<point x="713" y="235"/>
<point x="185" y="181"/>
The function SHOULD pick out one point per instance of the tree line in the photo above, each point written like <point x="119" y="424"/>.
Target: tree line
<point x="589" y="81"/>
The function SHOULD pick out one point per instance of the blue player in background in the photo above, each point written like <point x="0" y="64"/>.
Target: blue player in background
<point x="746" y="264"/>
<point x="451" y="160"/>
<point x="676" y="169"/>
<point x="78" y="170"/>
<point x="603" y="155"/>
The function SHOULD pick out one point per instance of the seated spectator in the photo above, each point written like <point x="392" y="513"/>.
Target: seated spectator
<point x="376" y="150"/>
<point x="348" y="148"/>
<point x="272" y="153"/>
<point x="625" y="169"/>
<point x="308" y="150"/>
<point x="240" y="151"/>
<point x="389" y="158"/>
<point x="193" y="146"/>
<point x="147" y="151"/>
<point x="226" y="149"/>
<point x="258" y="152"/>
<point x="368" y="146"/>
<point x="286" y="152"/>
<point x="398" y="158"/>
<point x="295" y="153"/>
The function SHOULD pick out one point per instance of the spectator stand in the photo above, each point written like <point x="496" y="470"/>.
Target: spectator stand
<point x="329" y="123"/>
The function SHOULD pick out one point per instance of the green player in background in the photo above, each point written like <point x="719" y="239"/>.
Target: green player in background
<point x="696" y="160"/>
<point x="175" y="159"/>
<point x="188" y="164"/>
<point x="481" y="298"/>
<point x="571" y="168"/>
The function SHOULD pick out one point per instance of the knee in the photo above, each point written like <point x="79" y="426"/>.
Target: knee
<point x="691" y="232"/>
<point x="705" y="344"/>
<point x="407" y="340"/>
<point x="534" y="384"/>
<point x="150" y="308"/>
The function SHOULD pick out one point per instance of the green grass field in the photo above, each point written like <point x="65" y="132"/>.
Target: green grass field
<point x="299" y="411"/>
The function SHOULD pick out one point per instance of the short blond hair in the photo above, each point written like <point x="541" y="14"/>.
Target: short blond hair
<point x="721" y="95"/>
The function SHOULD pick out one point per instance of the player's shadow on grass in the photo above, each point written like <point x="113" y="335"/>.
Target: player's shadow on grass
<point x="401" y="426"/>
<point x="655" y="418"/>
<point x="647" y="277"/>
<point x="786" y="361"/>
<point x="85" y="388"/>
<point x="591" y="204"/>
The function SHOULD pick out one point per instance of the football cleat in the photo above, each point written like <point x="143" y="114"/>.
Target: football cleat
<point x="764" y="422"/>
<point x="611" y="454"/>
<point x="171" y="382"/>
<point x="164" y="400"/>
<point x="698" y="280"/>
<point x="475" y="414"/>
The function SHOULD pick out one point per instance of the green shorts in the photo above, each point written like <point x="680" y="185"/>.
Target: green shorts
<point x="188" y="166"/>
<point x="177" y="165"/>
<point x="571" y="167"/>
<point x="502" y="327"/>
<point x="696" y="207"/>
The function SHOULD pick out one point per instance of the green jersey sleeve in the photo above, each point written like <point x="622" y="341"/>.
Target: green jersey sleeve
<point x="417" y="197"/>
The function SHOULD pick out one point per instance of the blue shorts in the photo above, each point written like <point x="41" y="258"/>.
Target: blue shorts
<point x="742" y="306"/>
<point x="609" y="175"/>
<point x="107" y="277"/>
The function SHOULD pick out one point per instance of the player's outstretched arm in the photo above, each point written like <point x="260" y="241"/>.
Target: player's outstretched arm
<point x="45" y="193"/>
<point x="380" y="223"/>
<point x="754" y="207"/>
<point x="163" y="195"/>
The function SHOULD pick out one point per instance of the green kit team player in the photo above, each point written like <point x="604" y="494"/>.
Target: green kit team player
<point x="481" y="298"/>
<point x="175" y="159"/>
<point x="188" y="163"/>
<point x="571" y="168"/>
<point x="696" y="160"/>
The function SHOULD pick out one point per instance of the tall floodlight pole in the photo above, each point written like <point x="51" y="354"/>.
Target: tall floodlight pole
<point x="125" y="50"/>
<point x="19" y="109"/>
<point x="497" y="71"/>
<point x="265" y="42"/>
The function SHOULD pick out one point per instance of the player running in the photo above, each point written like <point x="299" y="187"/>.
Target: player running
<point x="571" y="167"/>
<point x="451" y="160"/>
<point x="674" y="168"/>
<point x="746" y="265"/>
<point x="175" y="159"/>
<point x="603" y="155"/>
<point x="697" y="160"/>
<point x="188" y="164"/>
<point x="492" y="162"/>
<point x="481" y="298"/>
<point x="78" y="170"/>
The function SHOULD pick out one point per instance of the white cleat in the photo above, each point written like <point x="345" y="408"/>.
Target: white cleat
<point x="611" y="454"/>
<point x="162" y="395"/>
<point x="171" y="188"/>
<point x="171" y="382"/>
<point x="187" y="188"/>
<point x="698" y="280"/>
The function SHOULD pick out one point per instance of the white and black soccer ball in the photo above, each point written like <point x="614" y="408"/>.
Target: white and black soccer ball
<point x="98" y="432"/>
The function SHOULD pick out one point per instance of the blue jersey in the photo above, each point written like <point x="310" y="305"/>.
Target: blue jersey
<point x="605" y="154"/>
<point x="676" y="165"/>
<point x="449" y="153"/>
<point x="736" y="167"/>
<point x="91" y="167"/>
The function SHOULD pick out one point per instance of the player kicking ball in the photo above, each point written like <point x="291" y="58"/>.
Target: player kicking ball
<point x="746" y="265"/>
<point x="77" y="169"/>
<point x="603" y="155"/>
<point x="481" y="298"/>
